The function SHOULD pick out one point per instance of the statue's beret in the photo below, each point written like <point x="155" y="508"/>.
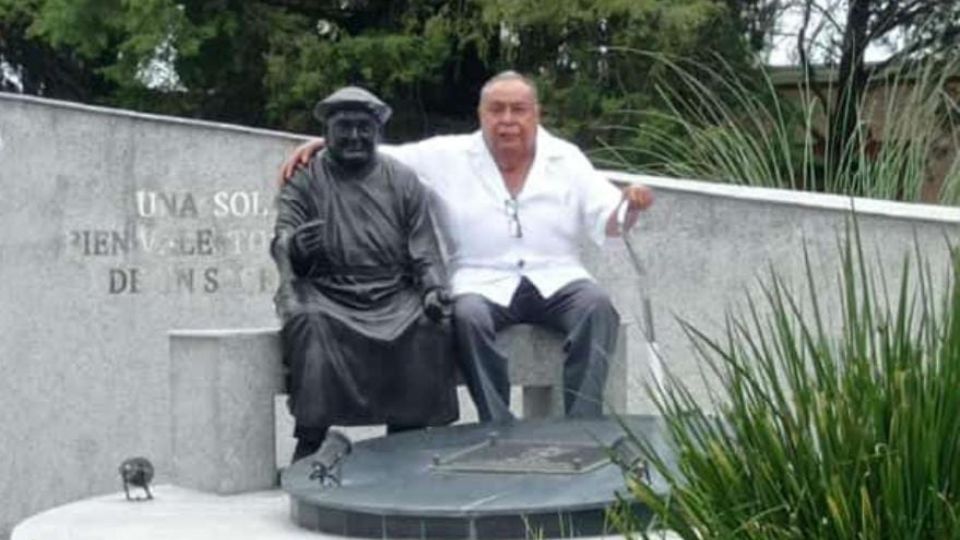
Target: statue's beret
<point x="353" y="98"/>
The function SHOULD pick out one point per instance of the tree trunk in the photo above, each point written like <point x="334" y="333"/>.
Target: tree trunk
<point x="851" y="80"/>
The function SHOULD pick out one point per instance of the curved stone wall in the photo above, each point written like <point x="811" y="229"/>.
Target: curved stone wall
<point x="116" y="227"/>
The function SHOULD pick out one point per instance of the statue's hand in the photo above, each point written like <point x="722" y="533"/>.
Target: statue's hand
<point x="286" y="303"/>
<point x="436" y="304"/>
<point x="307" y="239"/>
<point x="300" y="157"/>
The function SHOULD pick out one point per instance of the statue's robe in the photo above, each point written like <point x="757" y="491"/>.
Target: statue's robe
<point x="356" y="343"/>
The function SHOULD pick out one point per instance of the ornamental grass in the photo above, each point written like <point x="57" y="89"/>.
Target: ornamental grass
<point x="824" y="423"/>
<point x="716" y="124"/>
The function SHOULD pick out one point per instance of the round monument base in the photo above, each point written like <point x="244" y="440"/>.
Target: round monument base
<point x="530" y="478"/>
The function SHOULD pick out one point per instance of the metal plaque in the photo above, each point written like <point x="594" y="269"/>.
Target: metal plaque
<point x="513" y="456"/>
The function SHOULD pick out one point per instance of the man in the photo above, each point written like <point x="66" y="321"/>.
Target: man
<point x="358" y="267"/>
<point x="513" y="201"/>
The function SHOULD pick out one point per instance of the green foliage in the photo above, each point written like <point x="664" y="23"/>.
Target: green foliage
<point x="571" y="47"/>
<point x="394" y="63"/>
<point x="821" y="432"/>
<point x="714" y="123"/>
<point x="198" y="58"/>
<point x="265" y="62"/>
<point x="88" y="26"/>
<point x="42" y="68"/>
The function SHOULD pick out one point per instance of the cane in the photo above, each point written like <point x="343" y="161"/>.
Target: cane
<point x="646" y="327"/>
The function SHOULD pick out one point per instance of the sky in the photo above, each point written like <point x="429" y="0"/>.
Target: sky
<point x="784" y="49"/>
<point x="7" y="73"/>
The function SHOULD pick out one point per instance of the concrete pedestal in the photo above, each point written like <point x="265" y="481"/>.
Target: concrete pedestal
<point x="224" y="385"/>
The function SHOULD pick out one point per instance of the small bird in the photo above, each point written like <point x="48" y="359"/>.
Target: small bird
<point x="136" y="472"/>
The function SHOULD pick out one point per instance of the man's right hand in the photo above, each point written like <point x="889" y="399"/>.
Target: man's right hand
<point x="300" y="157"/>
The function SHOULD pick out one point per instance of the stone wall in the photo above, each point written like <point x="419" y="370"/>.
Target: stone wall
<point x="117" y="227"/>
<point x="706" y="247"/>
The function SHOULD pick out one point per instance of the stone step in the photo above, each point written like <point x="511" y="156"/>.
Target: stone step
<point x="175" y="513"/>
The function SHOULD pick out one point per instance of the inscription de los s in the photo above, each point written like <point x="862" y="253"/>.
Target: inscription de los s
<point x="179" y="279"/>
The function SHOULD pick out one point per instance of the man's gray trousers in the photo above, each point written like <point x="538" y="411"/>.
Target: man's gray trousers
<point x="581" y="311"/>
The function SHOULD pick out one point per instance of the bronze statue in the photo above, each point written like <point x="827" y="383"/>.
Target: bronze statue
<point x="328" y="461"/>
<point x="361" y="288"/>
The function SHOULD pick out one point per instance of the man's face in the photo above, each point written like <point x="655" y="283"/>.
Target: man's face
<point x="509" y="116"/>
<point x="352" y="137"/>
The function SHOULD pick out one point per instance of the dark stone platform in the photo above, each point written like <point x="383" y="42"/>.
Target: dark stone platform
<point x="541" y="478"/>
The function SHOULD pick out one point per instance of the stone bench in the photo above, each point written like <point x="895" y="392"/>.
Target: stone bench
<point x="224" y="385"/>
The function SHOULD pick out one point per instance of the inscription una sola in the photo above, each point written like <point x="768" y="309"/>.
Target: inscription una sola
<point x="240" y="204"/>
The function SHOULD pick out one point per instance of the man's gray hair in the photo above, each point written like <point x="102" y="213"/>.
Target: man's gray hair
<point x="510" y="75"/>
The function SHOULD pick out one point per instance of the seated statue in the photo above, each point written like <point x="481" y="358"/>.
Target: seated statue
<point x="361" y="290"/>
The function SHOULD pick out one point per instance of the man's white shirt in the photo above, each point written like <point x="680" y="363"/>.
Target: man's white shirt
<point x="563" y="199"/>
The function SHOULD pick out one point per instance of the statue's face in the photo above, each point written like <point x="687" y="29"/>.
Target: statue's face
<point x="352" y="137"/>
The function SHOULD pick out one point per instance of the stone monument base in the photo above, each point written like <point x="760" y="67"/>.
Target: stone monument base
<point x="175" y="514"/>
<point x="542" y="478"/>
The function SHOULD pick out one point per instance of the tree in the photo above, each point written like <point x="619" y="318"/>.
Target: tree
<point x="196" y="58"/>
<point x="253" y="62"/>
<point x="425" y="57"/>
<point x="589" y="56"/>
<point x="265" y="62"/>
<point x="925" y="28"/>
<point x="42" y="69"/>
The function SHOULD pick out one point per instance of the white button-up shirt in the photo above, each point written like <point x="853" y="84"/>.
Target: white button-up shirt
<point x="563" y="199"/>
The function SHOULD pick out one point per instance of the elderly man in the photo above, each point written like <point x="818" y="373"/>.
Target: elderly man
<point x="513" y="201"/>
<point x="358" y="266"/>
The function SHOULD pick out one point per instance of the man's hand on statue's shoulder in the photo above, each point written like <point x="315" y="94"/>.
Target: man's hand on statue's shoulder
<point x="436" y="304"/>
<point x="299" y="158"/>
